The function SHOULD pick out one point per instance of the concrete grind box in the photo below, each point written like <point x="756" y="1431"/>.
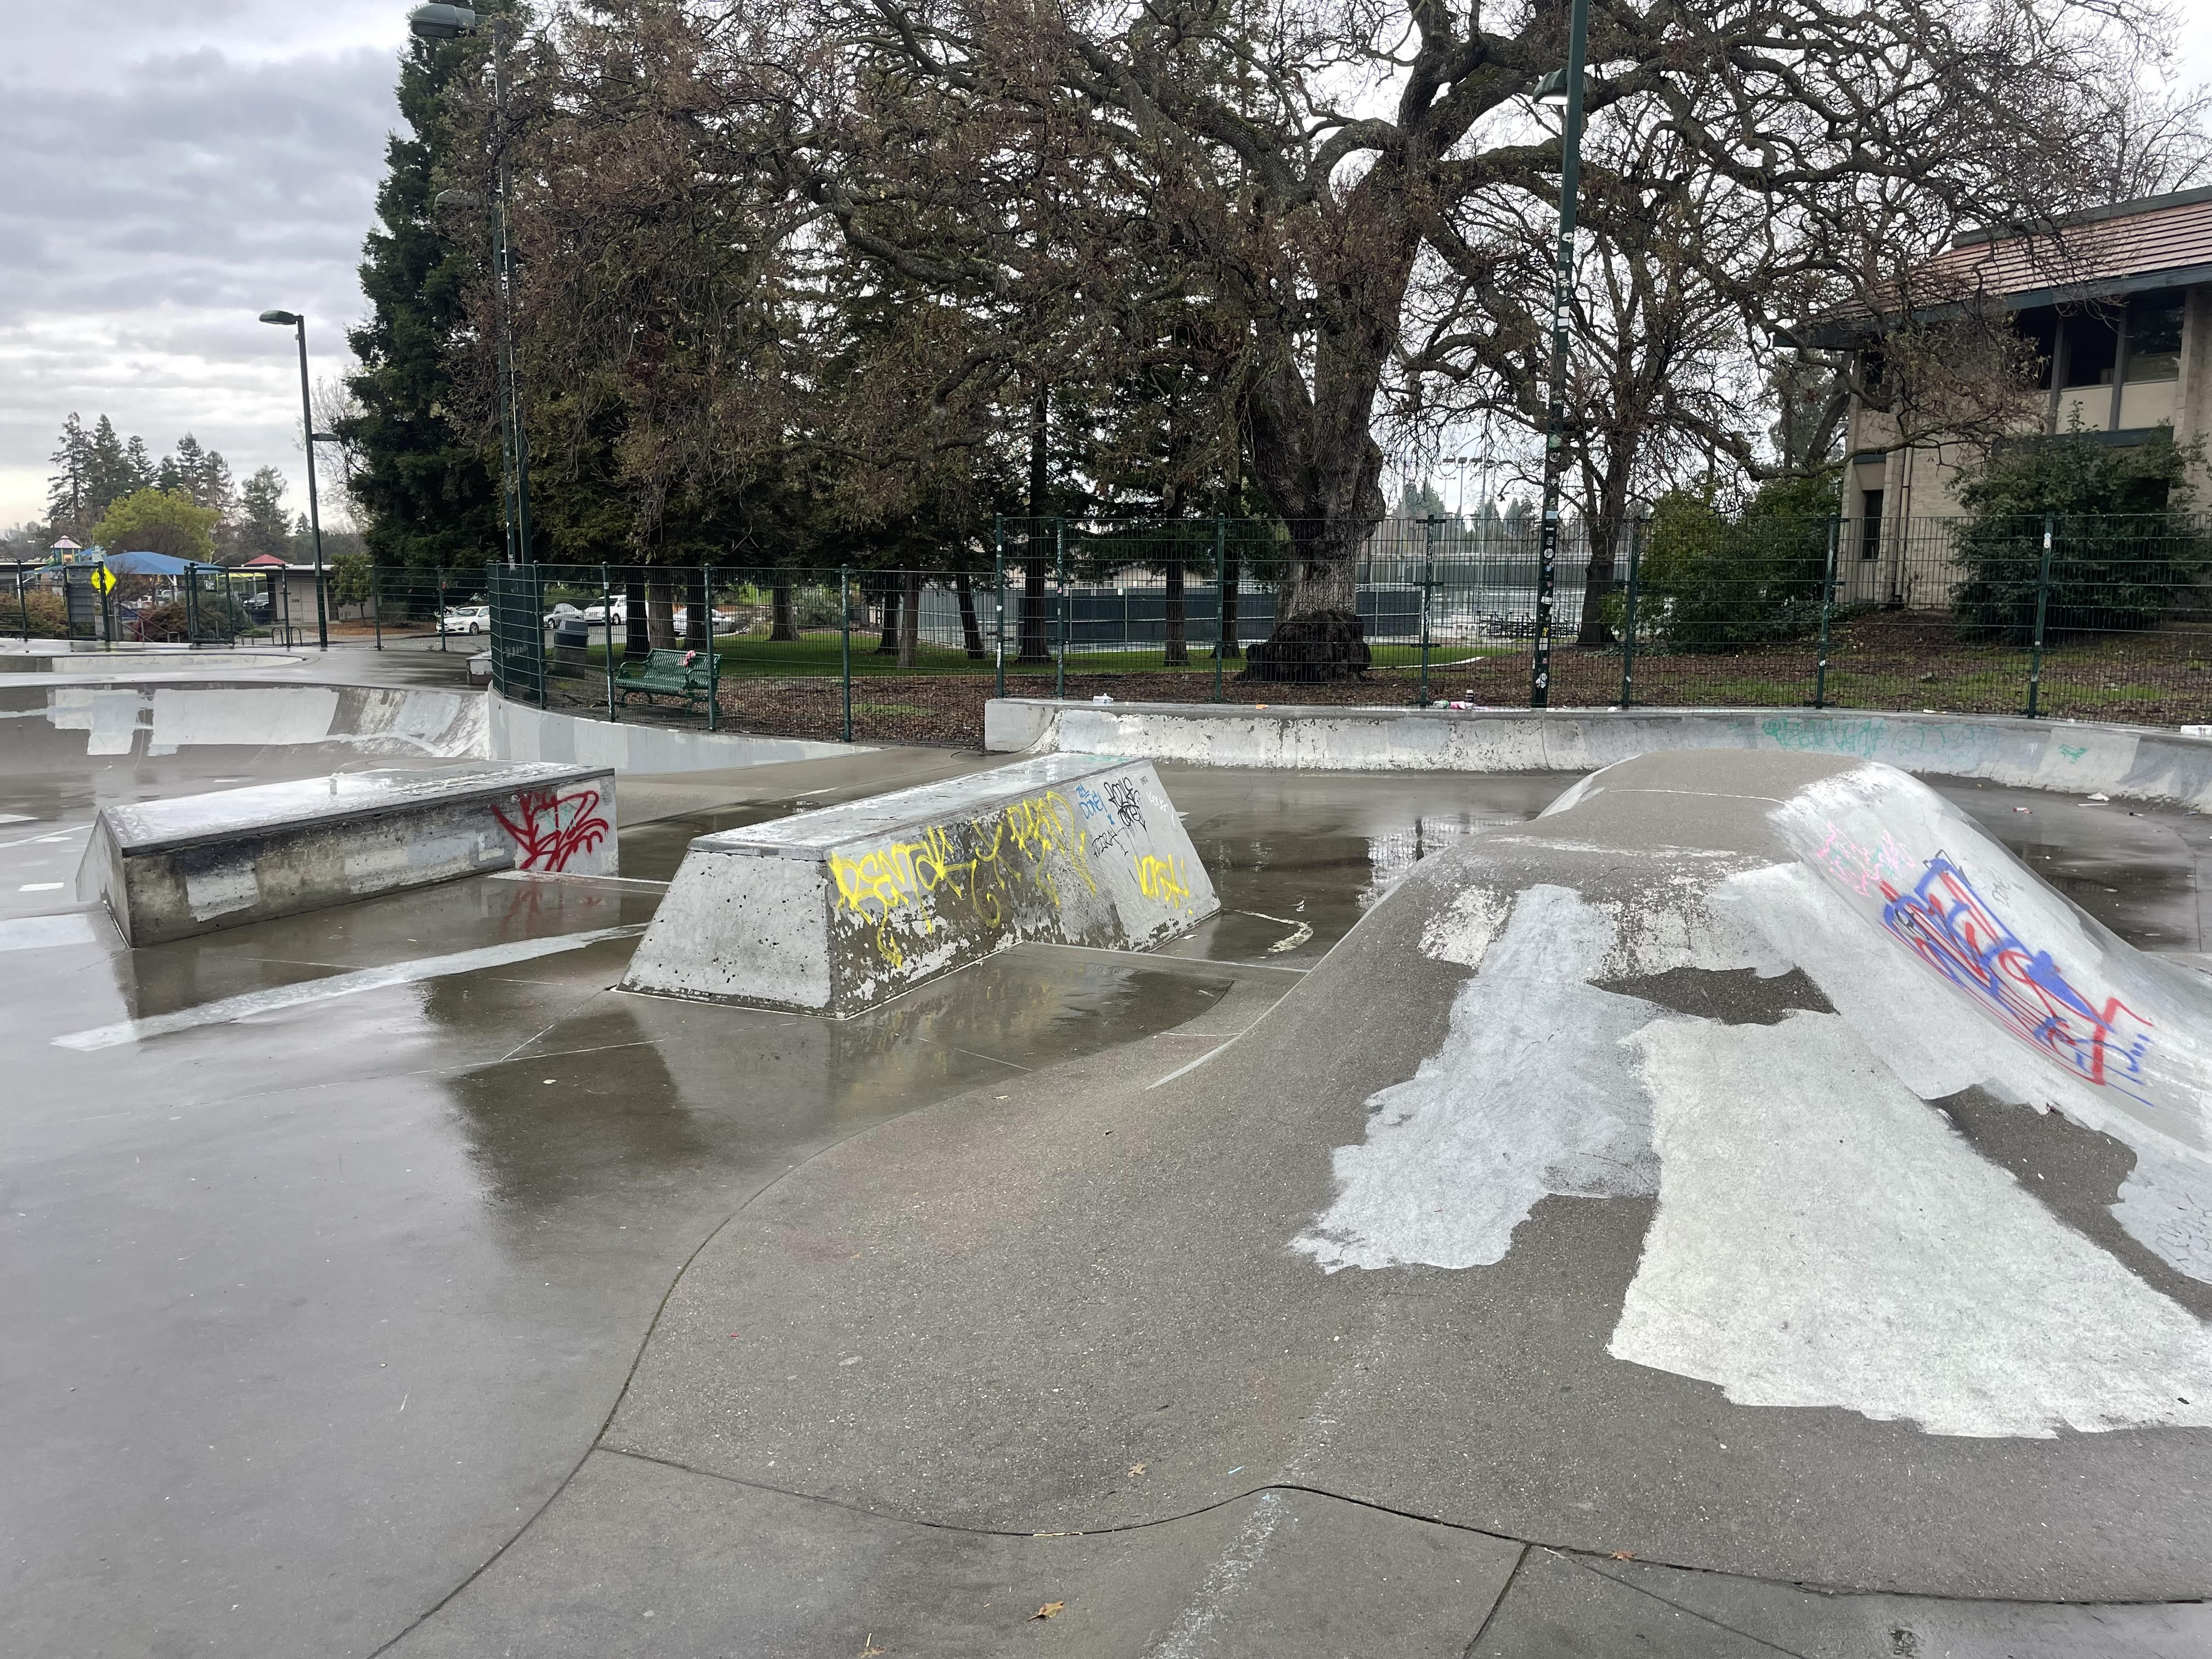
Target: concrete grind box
<point x="834" y="911"/>
<point x="170" y="869"/>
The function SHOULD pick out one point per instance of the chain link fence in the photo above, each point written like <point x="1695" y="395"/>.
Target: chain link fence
<point x="2105" y="618"/>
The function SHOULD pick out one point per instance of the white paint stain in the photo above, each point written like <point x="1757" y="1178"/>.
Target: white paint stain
<point x="1824" y="1238"/>
<point x="1531" y="1094"/>
<point x="1463" y="930"/>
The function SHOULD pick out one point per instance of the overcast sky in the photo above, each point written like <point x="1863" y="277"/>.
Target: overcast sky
<point x="177" y="166"/>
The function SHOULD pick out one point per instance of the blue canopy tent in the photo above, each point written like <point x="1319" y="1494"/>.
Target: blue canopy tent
<point x="154" y="564"/>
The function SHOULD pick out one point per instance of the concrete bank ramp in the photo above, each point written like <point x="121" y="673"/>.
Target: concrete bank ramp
<point x="836" y="910"/>
<point x="55" y="727"/>
<point x="1749" y="1166"/>
<point x="192" y="864"/>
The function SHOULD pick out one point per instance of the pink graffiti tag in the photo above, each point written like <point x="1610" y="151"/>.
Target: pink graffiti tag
<point x="554" y="828"/>
<point x="1952" y="928"/>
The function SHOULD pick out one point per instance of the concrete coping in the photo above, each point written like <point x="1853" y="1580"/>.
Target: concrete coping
<point x="343" y="797"/>
<point x="813" y="836"/>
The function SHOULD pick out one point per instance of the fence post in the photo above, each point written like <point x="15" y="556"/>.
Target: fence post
<point x="23" y="601"/>
<point x="999" y="595"/>
<point x="376" y="601"/>
<point x="845" y="640"/>
<point x="1428" y="592"/>
<point x="1628" y="612"/>
<point x="1827" y="609"/>
<point x="439" y="614"/>
<point x="537" y="634"/>
<point x="713" y="657"/>
<point x="1060" y="592"/>
<point x="1220" y="598"/>
<point x="2042" y="604"/>
<point x="607" y="623"/>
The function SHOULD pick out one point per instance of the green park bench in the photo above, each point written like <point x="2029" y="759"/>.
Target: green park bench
<point x="665" y="673"/>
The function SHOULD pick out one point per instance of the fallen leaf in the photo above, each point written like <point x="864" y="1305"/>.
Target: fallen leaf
<point x="1050" y="1609"/>
<point x="869" y="1650"/>
<point x="1136" y="1468"/>
<point x="1624" y="1555"/>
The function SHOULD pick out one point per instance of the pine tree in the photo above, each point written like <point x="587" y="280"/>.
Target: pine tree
<point x="69" y="490"/>
<point x="261" y="527"/>
<point x="138" y="463"/>
<point x="111" y="474"/>
<point x="429" y="496"/>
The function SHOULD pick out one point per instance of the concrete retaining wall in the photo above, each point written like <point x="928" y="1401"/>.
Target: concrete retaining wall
<point x="519" y="732"/>
<point x="834" y="911"/>
<point x="2131" y="762"/>
<point x="191" y="865"/>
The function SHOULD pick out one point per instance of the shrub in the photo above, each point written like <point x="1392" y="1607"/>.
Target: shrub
<point x="37" y="611"/>
<point x="1708" y="581"/>
<point x="2123" y="551"/>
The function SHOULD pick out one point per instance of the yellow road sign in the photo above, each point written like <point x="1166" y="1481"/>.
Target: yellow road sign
<point x="103" y="578"/>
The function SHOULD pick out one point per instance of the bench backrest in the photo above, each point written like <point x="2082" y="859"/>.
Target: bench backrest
<point x="665" y="663"/>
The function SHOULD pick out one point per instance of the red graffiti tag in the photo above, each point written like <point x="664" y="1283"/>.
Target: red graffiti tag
<point x="554" y="828"/>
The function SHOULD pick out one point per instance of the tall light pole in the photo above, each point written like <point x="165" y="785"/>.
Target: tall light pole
<point x="293" y="320"/>
<point x="1558" y="88"/>
<point x="444" y="22"/>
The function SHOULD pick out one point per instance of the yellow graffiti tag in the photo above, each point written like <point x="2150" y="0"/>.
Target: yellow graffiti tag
<point x="1163" y="879"/>
<point x="880" y="883"/>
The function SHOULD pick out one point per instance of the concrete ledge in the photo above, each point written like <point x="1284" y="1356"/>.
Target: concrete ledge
<point x="519" y="732"/>
<point x="2135" y="762"/>
<point x="837" y="910"/>
<point x="171" y="869"/>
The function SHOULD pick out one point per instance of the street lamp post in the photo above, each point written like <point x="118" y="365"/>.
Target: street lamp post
<point x="1558" y="88"/>
<point x="293" y="320"/>
<point x="448" y="22"/>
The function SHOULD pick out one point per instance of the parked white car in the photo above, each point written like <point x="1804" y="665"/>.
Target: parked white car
<point x="561" y="613"/>
<point x="596" y="614"/>
<point x="466" y="619"/>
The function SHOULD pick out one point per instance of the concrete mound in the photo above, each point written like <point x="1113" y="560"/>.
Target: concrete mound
<point x="836" y="910"/>
<point x="1749" y="1166"/>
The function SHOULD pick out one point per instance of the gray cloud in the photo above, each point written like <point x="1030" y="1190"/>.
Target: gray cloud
<point x="153" y="203"/>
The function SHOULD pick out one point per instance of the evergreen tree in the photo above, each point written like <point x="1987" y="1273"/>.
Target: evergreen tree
<point x="111" y="474"/>
<point x="69" y="490"/>
<point x="430" y="496"/>
<point x="261" y="527"/>
<point x="138" y="463"/>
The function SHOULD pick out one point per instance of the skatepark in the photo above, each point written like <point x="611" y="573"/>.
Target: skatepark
<point x="1690" y="1185"/>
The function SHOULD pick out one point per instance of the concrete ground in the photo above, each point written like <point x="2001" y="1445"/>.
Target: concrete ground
<point x="496" y="1312"/>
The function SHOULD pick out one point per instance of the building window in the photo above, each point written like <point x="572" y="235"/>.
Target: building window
<point x="1869" y="524"/>
<point x="2039" y="328"/>
<point x="2093" y="345"/>
<point x="2154" y="338"/>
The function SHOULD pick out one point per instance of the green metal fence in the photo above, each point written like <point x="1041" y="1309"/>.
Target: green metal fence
<point x="2104" y="618"/>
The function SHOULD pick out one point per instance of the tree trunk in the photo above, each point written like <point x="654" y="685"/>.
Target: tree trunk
<point x="783" y="615"/>
<point x="1175" y="655"/>
<point x="887" y="590"/>
<point x="636" y="637"/>
<point x="909" y="617"/>
<point x="1610" y="496"/>
<point x="698" y="614"/>
<point x="971" y="632"/>
<point x="1318" y="635"/>
<point x="1228" y="649"/>
<point x="1033" y="644"/>
<point x="661" y="612"/>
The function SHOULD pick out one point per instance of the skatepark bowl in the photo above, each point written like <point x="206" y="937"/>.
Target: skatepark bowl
<point x="1643" y="1228"/>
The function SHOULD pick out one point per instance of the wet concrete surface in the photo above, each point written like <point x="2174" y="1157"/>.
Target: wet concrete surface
<point x="313" y="1311"/>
